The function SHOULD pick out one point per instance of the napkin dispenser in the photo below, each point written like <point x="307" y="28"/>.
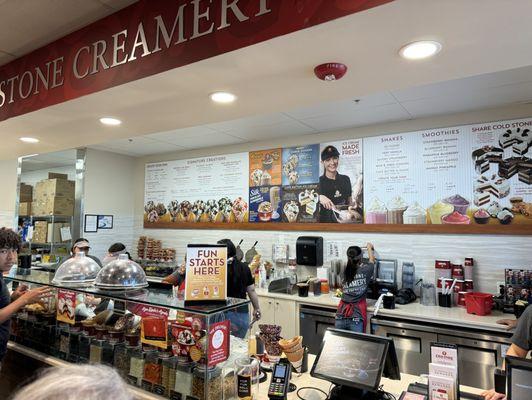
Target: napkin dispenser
<point x="309" y="251"/>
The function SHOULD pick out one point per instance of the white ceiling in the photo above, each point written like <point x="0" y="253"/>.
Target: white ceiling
<point x="66" y="158"/>
<point x="27" y="25"/>
<point x="466" y="94"/>
<point x="278" y="94"/>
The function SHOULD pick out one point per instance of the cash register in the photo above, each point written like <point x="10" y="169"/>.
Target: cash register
<point x="355" y="363"/>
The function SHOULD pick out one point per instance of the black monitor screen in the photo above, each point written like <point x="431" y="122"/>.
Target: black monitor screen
<point x="351" y="359"/>
<point x="519" y="378"/>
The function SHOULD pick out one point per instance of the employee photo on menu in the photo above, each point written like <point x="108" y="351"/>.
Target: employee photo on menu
<point x="340" y="184"/>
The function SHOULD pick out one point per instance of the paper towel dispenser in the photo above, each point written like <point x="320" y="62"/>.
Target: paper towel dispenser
<point x="309" y="251"/>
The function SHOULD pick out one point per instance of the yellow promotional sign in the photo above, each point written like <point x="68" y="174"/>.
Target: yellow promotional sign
<point x="206" y="275"/>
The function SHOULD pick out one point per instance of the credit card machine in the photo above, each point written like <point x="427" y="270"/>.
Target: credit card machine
<point x="280" y="382"/>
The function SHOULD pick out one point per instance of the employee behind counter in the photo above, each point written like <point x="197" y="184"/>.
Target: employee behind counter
<point x="240" y="283"/>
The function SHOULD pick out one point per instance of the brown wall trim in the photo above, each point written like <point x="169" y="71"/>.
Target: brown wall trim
<point x="523" y="229"/>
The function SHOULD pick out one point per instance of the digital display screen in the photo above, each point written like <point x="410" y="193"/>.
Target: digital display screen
<point x="351" y="359"/>
<point x="280" y="370"/>
<point x="521" y="386"/>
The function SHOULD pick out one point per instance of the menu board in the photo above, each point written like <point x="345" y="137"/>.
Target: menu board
<point x="207" y="189"/>
<point x="341" y="181"/>
<point x="206" y="273"/>
<point x="474" y="174"/>
<point x="418" y="177"/>
<point x="502" y="171"/>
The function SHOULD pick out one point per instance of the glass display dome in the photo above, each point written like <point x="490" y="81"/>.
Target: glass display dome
<point x="121" y="274"/>
<point x="78" y="271"/>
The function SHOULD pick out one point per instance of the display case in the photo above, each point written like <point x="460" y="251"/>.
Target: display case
<point x="147" y="335"/>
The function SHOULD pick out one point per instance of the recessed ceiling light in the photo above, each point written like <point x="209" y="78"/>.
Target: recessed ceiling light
<point x="223" y="97"/>
<point x="110" y="121"/>
<point x="420" y="50"/>
<point x="29" y="140"/>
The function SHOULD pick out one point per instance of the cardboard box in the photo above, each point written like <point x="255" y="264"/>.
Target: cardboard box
<point x="60" y="206"/>
<point x="40" y="232"/>
<point x="24" y="209"/>
<point x="26" y="193"/>
<point x="50" y="188"/>
<point x="55" y="175"/>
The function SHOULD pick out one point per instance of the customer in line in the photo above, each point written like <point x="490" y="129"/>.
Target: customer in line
<point x="114" y="251"/>
<point x="351" y="312"/>
<point x="82" y="245"/>
<point x="521" y="345"/>
<point x="76" y="382"/>
<point x="11" y="303"/>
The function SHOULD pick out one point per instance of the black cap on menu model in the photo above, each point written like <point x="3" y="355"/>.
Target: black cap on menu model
<point x="328" y="152"/>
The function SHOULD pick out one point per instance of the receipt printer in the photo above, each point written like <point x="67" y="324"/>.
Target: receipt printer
<point x="309" y="251"/>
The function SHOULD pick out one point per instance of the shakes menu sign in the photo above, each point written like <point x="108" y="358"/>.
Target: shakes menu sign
<point x="149" y="37"/>
<point x="206" y="273"/>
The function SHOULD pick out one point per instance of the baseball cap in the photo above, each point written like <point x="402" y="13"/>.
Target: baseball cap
<point x="328" y="152"/>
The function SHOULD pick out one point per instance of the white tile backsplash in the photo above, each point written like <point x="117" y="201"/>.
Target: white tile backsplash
<point x="492" y="253"/>
<point x="122" y="232"/>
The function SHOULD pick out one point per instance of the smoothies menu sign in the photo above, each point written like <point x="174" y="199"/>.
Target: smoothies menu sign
<point x="149" y="37"/>
<point x="206" y="273"/>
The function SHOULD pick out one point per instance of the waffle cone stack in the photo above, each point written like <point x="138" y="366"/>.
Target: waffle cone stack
<point x="294" y="351"/>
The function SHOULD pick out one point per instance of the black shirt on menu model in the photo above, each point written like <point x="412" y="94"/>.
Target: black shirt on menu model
<point x="5" y="299"/>
<point x="238" y="279"/>
<point x="337" y="190"/>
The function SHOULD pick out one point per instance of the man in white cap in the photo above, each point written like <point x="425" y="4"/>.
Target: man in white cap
<point x="82" y="245"/>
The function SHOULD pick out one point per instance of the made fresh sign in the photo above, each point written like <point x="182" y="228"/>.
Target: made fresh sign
<point x="206" y="273"/>
<point x="150" y="37"/>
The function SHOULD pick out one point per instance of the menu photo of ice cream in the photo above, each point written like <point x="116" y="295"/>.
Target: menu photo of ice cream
<point x="300" y="203"/>
<point x="452" y="210"/>
<point x="395" y="211"/>
<point x="265" y="204"/>
<point x="502" y="159"/>
<point x="219" y="210"/>
<point x="301" y="165"/>
<point x="265" y="167"/>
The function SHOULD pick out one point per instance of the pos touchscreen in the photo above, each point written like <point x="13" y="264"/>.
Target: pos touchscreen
<point x="352" y="359"/>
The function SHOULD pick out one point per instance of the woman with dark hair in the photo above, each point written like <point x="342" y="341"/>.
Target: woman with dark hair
<point x="114" y="251"/>
<point x="351" y="312"/>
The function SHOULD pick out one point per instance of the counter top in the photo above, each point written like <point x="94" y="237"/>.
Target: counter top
<point x="305" y="380"/>
<point x="413" y="311"/>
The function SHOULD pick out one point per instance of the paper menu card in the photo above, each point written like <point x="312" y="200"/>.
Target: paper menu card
<point x="441" y="388"/>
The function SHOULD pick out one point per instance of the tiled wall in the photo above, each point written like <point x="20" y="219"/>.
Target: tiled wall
<point x="491" y="253"/>
<point x="122" y="232"/>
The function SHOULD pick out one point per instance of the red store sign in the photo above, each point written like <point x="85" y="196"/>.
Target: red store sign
<point x="153" y="36"/>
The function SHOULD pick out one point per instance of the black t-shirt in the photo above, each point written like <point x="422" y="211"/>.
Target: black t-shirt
<point x="238" y="279"/>
<point x="523" y="332"/>
<point x="337" y="190"/>
<point x="5" y="299"/>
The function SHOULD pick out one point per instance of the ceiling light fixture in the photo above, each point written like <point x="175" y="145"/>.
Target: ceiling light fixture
<point x="29" y="140"/>
<point x="110" y="121"/>
<point x="420" y="50"/>
<point x="223" y="97"/>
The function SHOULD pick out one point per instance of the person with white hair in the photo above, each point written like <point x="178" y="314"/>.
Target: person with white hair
<point x="76" y="382"/>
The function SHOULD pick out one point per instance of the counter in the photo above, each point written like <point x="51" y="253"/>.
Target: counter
<point x="303" y="380"/>
<point x="413" y="311"/>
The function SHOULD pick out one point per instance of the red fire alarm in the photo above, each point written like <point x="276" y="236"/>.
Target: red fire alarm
<point x="330" y="71"/>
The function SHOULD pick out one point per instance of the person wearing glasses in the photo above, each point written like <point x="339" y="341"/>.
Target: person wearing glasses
<point x="22" y="296"/>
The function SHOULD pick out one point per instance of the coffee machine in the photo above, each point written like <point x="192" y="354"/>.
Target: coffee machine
<point x="385" y="278"/>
